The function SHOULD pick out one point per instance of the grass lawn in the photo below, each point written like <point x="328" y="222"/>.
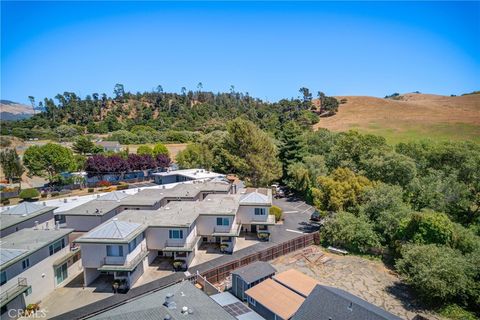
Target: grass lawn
<point x="413" y="132"/>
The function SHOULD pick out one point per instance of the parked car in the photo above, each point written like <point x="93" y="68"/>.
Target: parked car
<point x="316" y="216"/>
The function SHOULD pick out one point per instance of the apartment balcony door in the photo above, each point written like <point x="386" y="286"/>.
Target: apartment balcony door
<point x="61" y="273"/>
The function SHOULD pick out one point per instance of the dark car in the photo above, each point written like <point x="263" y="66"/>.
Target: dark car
<point x="316" y="216"/>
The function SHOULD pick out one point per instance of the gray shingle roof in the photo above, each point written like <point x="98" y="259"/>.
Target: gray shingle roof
<point x="326" y="303"/>
<point x="151" y="306"/>
<point x="255" y="271"/>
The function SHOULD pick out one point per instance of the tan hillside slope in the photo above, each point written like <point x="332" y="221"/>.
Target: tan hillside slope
<point x="413" y="117"/>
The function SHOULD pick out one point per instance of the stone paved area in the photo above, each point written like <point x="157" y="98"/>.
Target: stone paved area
<point x="370" y="280"/>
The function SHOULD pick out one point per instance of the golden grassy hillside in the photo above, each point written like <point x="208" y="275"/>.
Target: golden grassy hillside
<point x="413" y="117"/>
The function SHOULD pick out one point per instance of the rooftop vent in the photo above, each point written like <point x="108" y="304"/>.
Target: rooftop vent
<point x="57" y="225"/>
<point x="169" y="303"/>
<point x="44" y="204"/>
<point x="350" y="306"/>
<point x="36" y="225"/>
<point x="184" y="310"/>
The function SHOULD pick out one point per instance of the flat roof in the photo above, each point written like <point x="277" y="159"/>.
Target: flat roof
<point x="190" y="173"/>
<point x="296" y="281"/>
<point x="276" y="298"/>
<point x="147" y="197"/>
<point x="20" y="244"/>
<point x="183" y="213"/>
<point x="21" y="212"/>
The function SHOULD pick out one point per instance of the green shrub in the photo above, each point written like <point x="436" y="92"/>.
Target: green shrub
<point x="28" y="194"/>
<point x="456" y="312"/>
<point x="90" y="190"/>
<point x="5" y="142"/>
<point x="43" y="195"/>
<point x="55" y="193"/>
<point x="5" y="202"/>
<point x="277" y="212"/>
<point x="122" y="187"/>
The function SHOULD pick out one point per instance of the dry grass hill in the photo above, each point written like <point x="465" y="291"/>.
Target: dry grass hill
<point x="411" y="117"/>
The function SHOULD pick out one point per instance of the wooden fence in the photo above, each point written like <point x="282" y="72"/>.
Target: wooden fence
<point x="221" y="272"/>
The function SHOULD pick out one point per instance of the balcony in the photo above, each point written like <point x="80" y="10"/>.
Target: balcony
<point x="234" y="231"/>
<point x="264" y="220"/>
<point x="110" y="264"/>
<point x="13" y="292"/>
<point x="179" y="245"/>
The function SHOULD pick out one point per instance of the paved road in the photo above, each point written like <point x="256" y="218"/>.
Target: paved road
<point x="297" y="215"/>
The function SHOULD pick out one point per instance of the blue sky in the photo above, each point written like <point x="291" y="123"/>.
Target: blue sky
<point x="269" y="49"/>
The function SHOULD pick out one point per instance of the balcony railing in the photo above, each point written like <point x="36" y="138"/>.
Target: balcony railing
<point x="172" y="244"/>
<point x="233" y="230"/>
<point x="125" y="265"/>
<point x="14" y="291"/>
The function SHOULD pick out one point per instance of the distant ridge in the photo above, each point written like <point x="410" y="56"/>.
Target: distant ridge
<point x="10" y="110"/>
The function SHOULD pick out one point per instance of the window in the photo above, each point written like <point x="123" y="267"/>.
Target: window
<point x="3" y="278"/>
<point x="25" y="263"/>
<point x="132" y="245"/>
<point x="260" y="211"/>
<point x="175" y="234"/>
<point x="114" y="251"/>
<point x="223" y="222"/>
<point x="61" y="273"/>
<point x="251" y="301"/>
<point x="57" y="246"/>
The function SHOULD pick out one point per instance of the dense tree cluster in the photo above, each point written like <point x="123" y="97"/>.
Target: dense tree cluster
<point x="148" y="117"/>
<point x="419" y="202"/>
<point x="108" y="164"/>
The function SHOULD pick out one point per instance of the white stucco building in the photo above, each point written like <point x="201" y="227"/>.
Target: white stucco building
<point x="33" y="262"/>
<point x="125" y="245"/>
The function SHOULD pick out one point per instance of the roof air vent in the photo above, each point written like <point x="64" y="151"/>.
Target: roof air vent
<point x="169" y="303"/>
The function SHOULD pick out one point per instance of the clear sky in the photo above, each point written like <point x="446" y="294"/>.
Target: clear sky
<point x="269" y="49"/>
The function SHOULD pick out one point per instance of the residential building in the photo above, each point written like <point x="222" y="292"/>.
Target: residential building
<point x="180" y="301"/>
<point x="175" y="231"/>
<point x="254" y="212"/>
<point x="296" y="281"/>
<point x="173" y="176"/>
<point x="327" y="303"/>
<point x="273" y="301"/>
<point x="33" y="262"/>
<point x="89" y="215"/>
<point x="110" y="146"/>
<point x="25" y="215"/>
<point x="250" y="275"/>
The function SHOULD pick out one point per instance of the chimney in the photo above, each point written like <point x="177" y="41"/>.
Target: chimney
<point x="169" y="303"/>
<point x="36" y="225"/>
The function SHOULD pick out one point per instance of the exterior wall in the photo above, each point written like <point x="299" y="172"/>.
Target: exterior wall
<point x="16" y="304"/>
<point x="264" y="312"/>
<point x="82" y="223"/>
<point x="206" y="225"/>
<point x="40" y="275"/>
<point x="158" y="237"/>
<point x="170" y="179"/>
<point x="30" y="223"/>
<point x="89" y="275"/>
<point x="94" y="254"/>
<point x="246" y="214"/>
